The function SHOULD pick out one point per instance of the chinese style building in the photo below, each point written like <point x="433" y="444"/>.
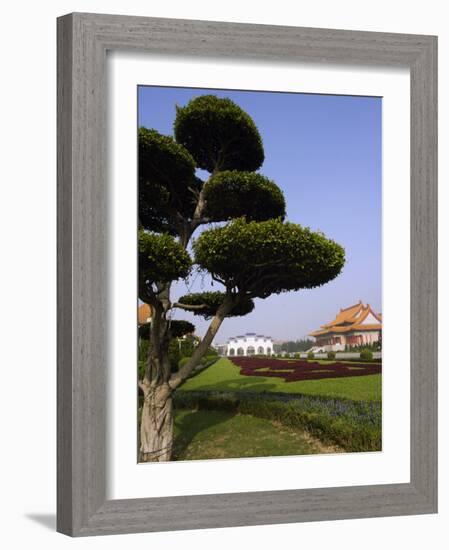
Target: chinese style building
<point x="356" y="325"/>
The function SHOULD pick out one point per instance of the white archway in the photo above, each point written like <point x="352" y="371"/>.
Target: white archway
<point x="249" y="344"/>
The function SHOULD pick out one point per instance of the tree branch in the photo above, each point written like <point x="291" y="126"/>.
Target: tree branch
<point x="256" y="283"/>
<point x="185" y="371"/>
<point x="147" y="294"/>
<point x="198" y="218"/>
<point x="217" y="279"/>
<point x="257" y="289"/>
<point x="189" y="307"/>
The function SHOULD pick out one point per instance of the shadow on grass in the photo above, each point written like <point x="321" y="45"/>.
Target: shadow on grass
<point x="238" y="384"/>
<point x="191" y="424"/>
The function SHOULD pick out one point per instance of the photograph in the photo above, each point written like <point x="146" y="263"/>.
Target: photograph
<point x="225" y="206"/>
<point x="259" y="274"/>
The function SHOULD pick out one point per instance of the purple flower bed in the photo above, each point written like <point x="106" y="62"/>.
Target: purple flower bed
<point x="293" y="370"/>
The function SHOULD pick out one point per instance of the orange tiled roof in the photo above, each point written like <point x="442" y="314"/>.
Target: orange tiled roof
<point x="346" y="315"/>
<point x="350" y="318"/>
<point x="144" y="313"/>
<point x="371" y="326"/>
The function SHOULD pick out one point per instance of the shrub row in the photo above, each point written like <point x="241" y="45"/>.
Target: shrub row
<point x="365" y="355"/>
<point x="353" y="425"/>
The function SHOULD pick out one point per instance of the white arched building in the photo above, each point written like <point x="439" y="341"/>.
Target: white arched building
<point x="249" y="344"/>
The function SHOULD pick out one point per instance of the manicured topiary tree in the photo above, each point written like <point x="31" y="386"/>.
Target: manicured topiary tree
<point x="253" y="255"/>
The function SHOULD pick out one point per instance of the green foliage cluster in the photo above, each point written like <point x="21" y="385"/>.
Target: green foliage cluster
<point x="331" y="355"/>
<point x="174" y="354"/>
<point x="182" y="349"/>
<point x="162" y="258"/>
<point x="219" y="135"/>
<point x="212" y="301"/>
<point x="177" y="329"/>
<point x="366" y="355"/>
<point x="168" y="186"/>
<point x="164" y="161"/>
<point x="187" y="346"/>
<point x="179" y="352"/>
<point x="355" y="426"/>
<point x="232" y="194"/>
<point x="310" y="355"/>
<point x="157" y="211"/>
<point x="263" y="258"/>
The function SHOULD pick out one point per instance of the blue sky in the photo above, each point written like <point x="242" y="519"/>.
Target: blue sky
<point x="324" y="152"/>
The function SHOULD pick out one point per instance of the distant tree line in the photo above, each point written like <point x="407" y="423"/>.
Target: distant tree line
<point x="293" y="346"/>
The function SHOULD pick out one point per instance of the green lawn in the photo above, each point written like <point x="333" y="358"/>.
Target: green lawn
<point x="225" y="376"/>
<point x="217" y="434"/>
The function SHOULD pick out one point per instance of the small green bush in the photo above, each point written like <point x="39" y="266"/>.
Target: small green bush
<point x="331" y="355"/>
<point x="366" y="355"/>
<point x="310" y="355"/>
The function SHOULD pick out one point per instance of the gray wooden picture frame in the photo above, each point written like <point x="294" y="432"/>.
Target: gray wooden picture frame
<point x="83" y="40"/>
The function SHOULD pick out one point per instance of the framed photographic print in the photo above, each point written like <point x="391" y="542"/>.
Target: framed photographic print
<point x="247" y="274"/>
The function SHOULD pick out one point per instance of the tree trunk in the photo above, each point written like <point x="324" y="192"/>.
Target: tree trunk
<point x="156" y="426"/>
<point x="182" y="374"/>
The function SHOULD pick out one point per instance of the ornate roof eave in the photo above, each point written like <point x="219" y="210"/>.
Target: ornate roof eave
<point x="350" y="321"/>
<point x="352" y="328"/>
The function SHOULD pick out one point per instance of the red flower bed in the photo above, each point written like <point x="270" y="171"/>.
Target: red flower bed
<point x="294" y="369"/>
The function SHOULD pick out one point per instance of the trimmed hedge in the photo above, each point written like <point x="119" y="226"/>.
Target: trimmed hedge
<point x="366" y="355"/>
<point x="353" y="425"/>
<point x="360" y="360"/>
